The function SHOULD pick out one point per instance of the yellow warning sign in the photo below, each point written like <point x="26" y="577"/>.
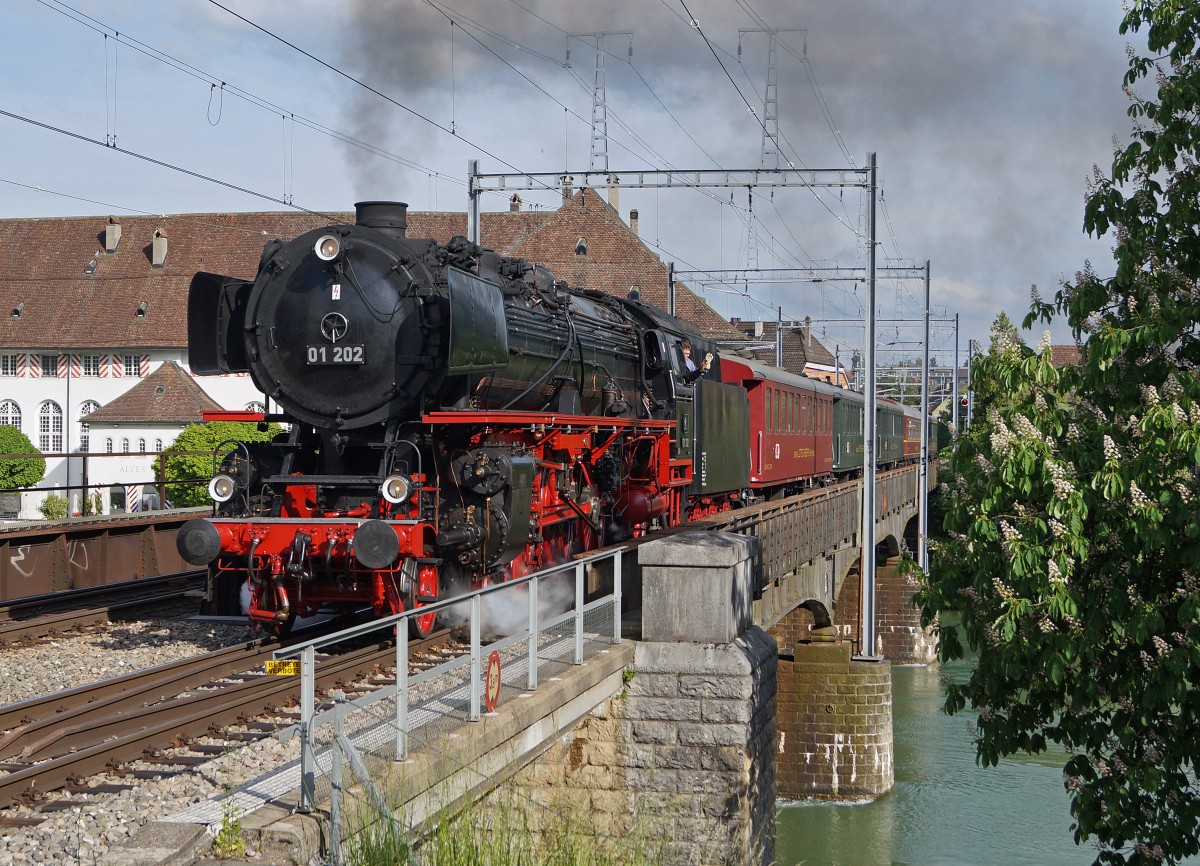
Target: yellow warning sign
<point x="285" y="668"/>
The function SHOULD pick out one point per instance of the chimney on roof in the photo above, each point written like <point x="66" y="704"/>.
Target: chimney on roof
<point x="514" y="203"/>
<point x="112" y="236"/>
<point x="158" y="250"/>
<point x="567" y="182"/>
<point x="807" y="333"/>
<point x="633" y="221"/>
<point x="758" y="330"/>
<point x="614" y="191"/>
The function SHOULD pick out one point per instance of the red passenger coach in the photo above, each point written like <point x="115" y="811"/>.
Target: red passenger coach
<point x="791" y="426"/>
<point x="912" y="437"/>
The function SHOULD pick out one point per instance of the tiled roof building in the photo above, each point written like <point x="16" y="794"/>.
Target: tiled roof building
<point x="1064" y="356"/>
<point x="803" y="353"/>
<point x="166" y="396"/>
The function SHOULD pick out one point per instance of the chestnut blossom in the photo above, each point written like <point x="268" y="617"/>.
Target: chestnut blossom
<point x="1110" y="449"/>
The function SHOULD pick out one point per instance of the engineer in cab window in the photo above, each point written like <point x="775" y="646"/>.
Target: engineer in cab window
<point x="691" y="371"/>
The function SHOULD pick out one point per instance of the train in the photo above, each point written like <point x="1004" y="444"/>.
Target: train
<point x="454" y="417"/>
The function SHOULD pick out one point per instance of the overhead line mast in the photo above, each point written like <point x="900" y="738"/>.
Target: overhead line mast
<point x="599" y="95"/>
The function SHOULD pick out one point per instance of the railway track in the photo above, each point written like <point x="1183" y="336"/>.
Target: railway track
<point x="35" y="617"/>
<point x="57" y="742"/>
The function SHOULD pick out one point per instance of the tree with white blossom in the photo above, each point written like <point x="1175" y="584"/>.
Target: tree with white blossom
<point x="1072" y="534"/>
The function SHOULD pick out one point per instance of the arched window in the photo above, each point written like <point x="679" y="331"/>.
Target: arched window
<point x="85" y="431"/>
<point x="50" y="428"/>
<point x="255" y="406"/>
<point x="141" y="445"/>
<point x="108" y="446"/>
<point x="158" y="445"/>
<point x="10" y="414"/>
<point x="124" y="446"/>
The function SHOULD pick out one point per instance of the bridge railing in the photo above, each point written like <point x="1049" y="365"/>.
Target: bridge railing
<point x="557" y="628"/>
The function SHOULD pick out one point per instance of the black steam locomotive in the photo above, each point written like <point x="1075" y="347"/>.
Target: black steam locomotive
<point x="454" y="417"/>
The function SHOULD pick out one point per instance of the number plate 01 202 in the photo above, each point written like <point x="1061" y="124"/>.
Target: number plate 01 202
<point x="335" y="355"/>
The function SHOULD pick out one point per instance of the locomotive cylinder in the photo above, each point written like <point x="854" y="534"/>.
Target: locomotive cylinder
<point x="639" y="503"/>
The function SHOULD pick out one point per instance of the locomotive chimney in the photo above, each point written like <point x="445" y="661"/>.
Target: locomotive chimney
<point x="390" y="217"/>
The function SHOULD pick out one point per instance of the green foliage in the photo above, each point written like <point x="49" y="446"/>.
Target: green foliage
<point x="1072" y="543"/>
<point x="93" y="504"/>
<point x="16" y="471"/>
<point x="54" y="507"/>
<point x="191" y="472"/>
<point x="502" y="830"/>
<point x="229" y="842"/>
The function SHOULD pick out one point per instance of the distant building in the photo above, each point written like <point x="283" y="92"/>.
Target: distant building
<point x="1065" y="356"/>
<point x="137" y="426"/>
<point x="803" y="353"/>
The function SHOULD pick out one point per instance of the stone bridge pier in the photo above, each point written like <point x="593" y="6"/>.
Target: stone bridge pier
<point x="682" y="761"/>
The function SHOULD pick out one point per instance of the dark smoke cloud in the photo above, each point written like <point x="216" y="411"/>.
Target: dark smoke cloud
<point x="987" y="117"/>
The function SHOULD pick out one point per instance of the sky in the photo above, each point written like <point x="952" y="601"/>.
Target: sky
<point x="987" y="120"/>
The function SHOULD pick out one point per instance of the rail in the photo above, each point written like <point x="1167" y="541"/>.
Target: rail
<point x="539" y="623"/>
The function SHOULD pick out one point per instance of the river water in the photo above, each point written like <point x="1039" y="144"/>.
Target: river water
<point x="944" y="810"/>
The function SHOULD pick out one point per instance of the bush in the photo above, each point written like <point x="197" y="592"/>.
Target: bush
<point x="19" y="472"/>
<point x="54" y="507"/>
<point x="188" y="474"/>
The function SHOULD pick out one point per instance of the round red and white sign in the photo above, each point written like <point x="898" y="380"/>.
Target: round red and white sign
<point x="491" y="687"/>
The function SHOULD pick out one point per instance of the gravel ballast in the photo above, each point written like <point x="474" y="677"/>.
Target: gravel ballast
<point x="100" y="822"/>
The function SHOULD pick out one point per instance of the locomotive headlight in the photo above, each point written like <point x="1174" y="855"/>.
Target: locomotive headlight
<point x="327" y="248"/>
<point x="396" y="489"/>
<point x="221" y="488"/>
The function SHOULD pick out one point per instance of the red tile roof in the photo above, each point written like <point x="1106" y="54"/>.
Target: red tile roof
<point x="800" y="348"/>
<point x="166" y="396"/>
<point x="1064" y="356"/>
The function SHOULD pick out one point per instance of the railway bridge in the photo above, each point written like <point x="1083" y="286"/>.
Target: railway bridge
<point x="733" y="676"/>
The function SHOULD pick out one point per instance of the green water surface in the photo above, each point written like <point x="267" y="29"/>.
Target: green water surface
<point x="944" y="810"/>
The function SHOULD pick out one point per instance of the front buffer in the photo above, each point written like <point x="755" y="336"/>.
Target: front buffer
<point x="299" y="567"/>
